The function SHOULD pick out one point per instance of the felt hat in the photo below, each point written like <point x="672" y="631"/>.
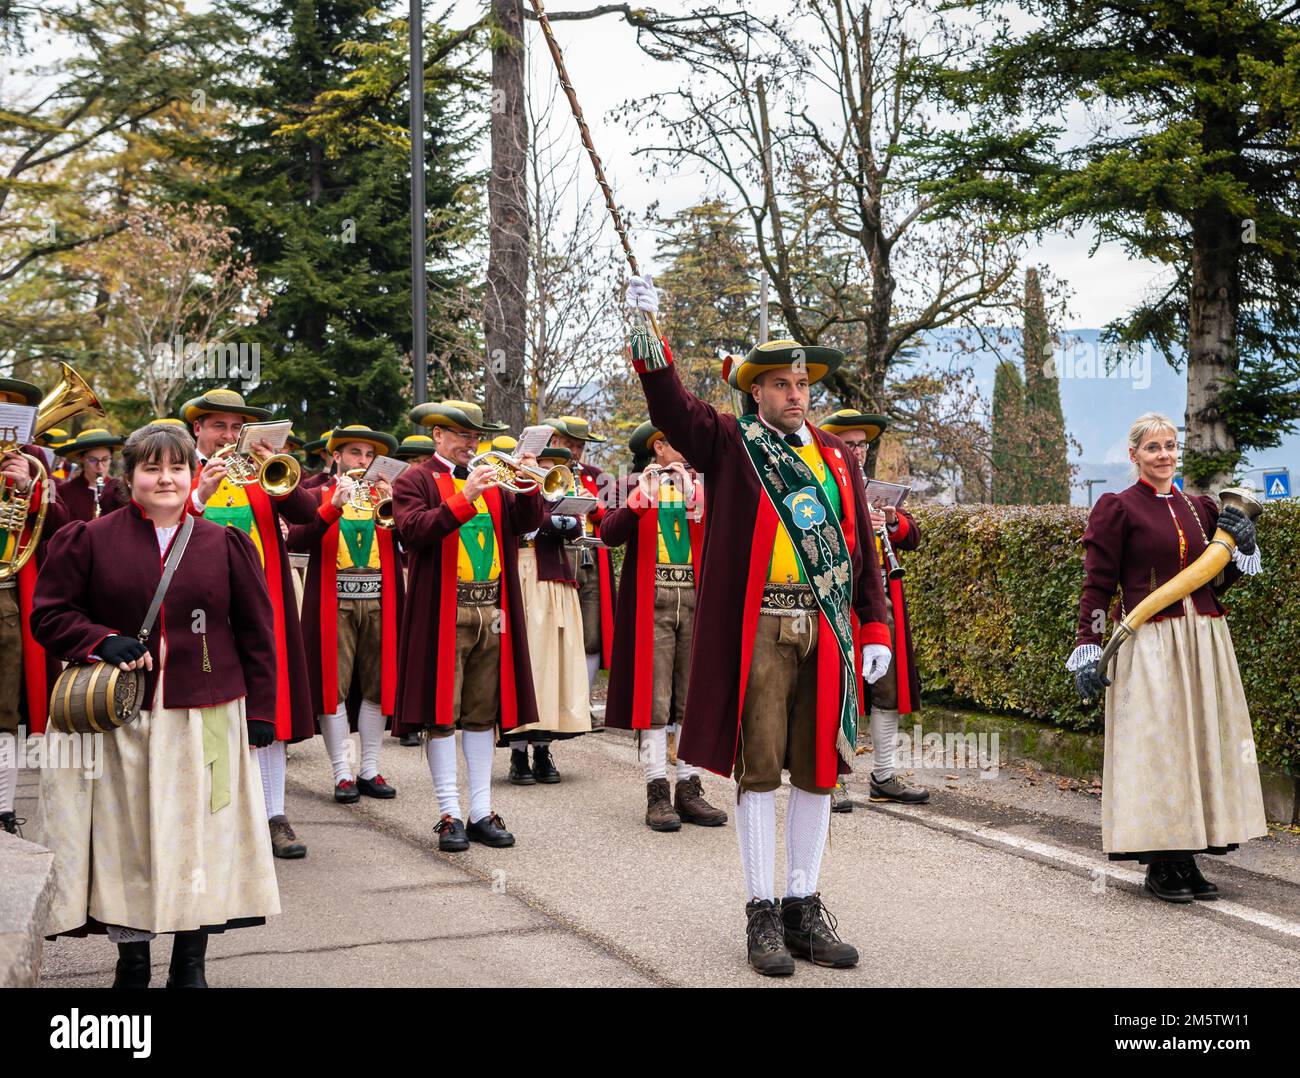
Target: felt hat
<point x="456" y="415"/>
<point x="851" y="419"/>
<point x="385" y="444"/>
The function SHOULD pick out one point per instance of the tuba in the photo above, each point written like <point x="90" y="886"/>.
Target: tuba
<point x="278" y="475"/>
<point x="1210" y="564"/>
<point x="511" y="475"/>
<point x="365" y="499"/>
<point x="70" y="397"/>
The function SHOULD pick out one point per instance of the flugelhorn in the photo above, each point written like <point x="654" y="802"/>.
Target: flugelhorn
<point x="519" y="478"/>
<point x="71" y="396"/>
<point x="278" y="475"/>
<point x="365" y="498"/>
<point x="1210" y="564"/>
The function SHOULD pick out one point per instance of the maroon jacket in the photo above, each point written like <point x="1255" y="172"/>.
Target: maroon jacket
<point x="1133" y="542"/>
<point x="711" y="441"/>
<point x="905" y="535"/>
<point x="554" y="562"/>
<point x="428" y="526"/>
<point x="99" y="579"/>
<point x="79" y="497"/>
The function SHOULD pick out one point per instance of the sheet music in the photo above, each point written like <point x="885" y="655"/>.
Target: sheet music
<point x="385" y="468"/>
<point x="275" y="432"/>
<point x="533" y="440"/>
<point x="880" y="493"/>
<point x="17" y="422"/>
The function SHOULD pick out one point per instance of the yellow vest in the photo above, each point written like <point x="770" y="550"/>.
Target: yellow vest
<point x="478" y="530"/>
<point x="784" y="567"/>
<point x="229" y="505"/>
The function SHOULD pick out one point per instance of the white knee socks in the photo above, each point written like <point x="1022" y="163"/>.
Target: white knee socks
<point x="593" y="664"/>
<point x="270" y="759"/>
<point x="371" y="724"/>
<point x="684" y="770"/>
<point x="441" y="754"/>
<point x="8" y="771"/>
<point x="807" y="821"/>
<point x="334" y="728"/>
<point x="477" y="746"/>
<point x="654" y="753"/>
<point x="884" y="736"/>
<point x="756" y="832"/>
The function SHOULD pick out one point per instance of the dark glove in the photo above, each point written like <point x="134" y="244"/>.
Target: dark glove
<point x="1242" y="529"/>
<point x="260" y="733"/>
<point x="120" y="649"/>
<point x="1089" y="682"/>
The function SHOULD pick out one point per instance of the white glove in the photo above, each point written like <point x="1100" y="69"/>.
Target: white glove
<point x="642" y="294"/>
<point x="875" y="662"/>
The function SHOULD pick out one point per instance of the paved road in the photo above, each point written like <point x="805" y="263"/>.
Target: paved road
<point x="996" y="882"/>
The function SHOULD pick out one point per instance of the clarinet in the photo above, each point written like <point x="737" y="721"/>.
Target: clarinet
<point x="892" y="569"/>
<point x="99" y="490"/>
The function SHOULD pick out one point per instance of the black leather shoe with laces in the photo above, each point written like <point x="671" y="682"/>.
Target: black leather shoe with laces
<point x="810" y="933"/>
<point x="543" y="765"/>
<point x="11" y="823"/>
<point x="766" y="940"/>
<point x="491" y="831"/>
<point x="376" y="787"/>
<point x="1201" y="887"/>
<point x="1165" y="880"/>
<point x="451" y="835"/>
<point x="521" y="772"/>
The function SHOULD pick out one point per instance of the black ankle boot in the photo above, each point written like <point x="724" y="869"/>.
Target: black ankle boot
<point x="188" y="952"/>
<point x="132" y="965"/>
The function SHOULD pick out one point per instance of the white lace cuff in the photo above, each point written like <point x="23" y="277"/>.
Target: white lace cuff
<point x="1249" y="564"/>
<point x="120" y="934"/>
<point x="1081" y="656"/>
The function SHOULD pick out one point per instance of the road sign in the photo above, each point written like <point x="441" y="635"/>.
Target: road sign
<point x="1178" y="482"/>
<point x="1277" y="484"/>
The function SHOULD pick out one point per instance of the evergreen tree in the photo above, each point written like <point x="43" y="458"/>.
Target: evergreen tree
<point x="312" y="170"/>
<point x="1049" y="481"/>
<point x="1009" y="452"/>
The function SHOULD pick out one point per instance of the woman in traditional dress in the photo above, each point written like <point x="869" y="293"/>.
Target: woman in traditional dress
<point x="1179" y="776"/>
<point x="549" y="582"/>
<point x="171" y="836"/>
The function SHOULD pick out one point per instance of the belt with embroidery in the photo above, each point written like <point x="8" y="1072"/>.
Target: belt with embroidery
<point x="788" y="600"/>
<point x="359" y="585"/>
<point x="478" y="593"/>
<point x="668" y="575"/>
<point x="12" y="582"/>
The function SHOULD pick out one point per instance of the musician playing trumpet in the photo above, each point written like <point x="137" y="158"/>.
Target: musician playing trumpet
<point x="463" y="658"/>
<point x="899" y="691"/>
<point x="216" y="420"/>
<point x="1179" y="776"/>
<point x="351" y="610"/>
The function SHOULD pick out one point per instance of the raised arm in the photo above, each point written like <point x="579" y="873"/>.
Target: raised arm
<point x="422" y="518"/>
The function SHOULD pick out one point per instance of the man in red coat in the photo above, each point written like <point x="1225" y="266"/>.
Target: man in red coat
<point x="662" y="526"/>
<point x="463" y="647"/>
<point x="595" y="566"/>
<point x="787" y="606"/>
<point x="27" y="673"/>
<point x="351" y="610"/>
<point x="92" y="491"/>
<point x="899" y="691"/>
<point x="216" y="418"/>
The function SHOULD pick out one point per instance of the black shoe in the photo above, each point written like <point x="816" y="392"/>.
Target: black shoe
<point x="11" y="823"/>
<point x="346" y="792"/>
<point x="409" y="740"/>
<point x="491" y="831"/>
<point x="1200" y="886"/>
<point x="766" y="939"/>
<point x="810" y="933"/>
<point x="895" y="789"/>
<point x="543" y="765"/>
<point x="840" y="799"/>
<point x="376" y="787"/>
<point x="451" y="835"/>
<point x="132" y="965"/>
<point x="1165" y="880"/>
<point x="188" y="952"/>
<point x="520" y="773"/>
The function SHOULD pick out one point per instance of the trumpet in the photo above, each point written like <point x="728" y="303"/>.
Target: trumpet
<point x="518" y="478"/>
<point x="365" y="498"/>
<point x="278" y="475"/>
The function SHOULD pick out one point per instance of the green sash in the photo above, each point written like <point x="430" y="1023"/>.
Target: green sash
<point x="479" y="541"/>
<point x="675" y="532"/>
<point x="359" y="535"/>
<point x="809" y="519"/>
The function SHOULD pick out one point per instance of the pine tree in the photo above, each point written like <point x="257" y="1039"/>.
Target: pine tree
<point x="312" y="170"/>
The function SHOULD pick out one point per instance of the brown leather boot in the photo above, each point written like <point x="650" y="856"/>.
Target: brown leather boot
<point x="688" y="800"/>
<point x="659" y="814"/>
<point x="284" y="843"/>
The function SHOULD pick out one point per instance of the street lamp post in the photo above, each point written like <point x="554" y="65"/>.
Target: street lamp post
<point x="419" y="285"/>
<point x="1090" y="483"/>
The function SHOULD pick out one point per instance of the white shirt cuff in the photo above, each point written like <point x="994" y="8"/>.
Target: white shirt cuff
<point x="1082" y="655"/>
<point x="1249" y="564"/>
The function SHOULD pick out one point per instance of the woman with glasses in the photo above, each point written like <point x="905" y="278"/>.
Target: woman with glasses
<point x="1179" y="776"/>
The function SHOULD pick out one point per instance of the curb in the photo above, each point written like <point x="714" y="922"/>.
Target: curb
<point x="26" y="890"/>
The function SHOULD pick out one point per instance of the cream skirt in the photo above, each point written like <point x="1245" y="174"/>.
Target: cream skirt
<point x="1180" y="770"/>
<point x="160" y="840"/>
<point x="554" y="621"/>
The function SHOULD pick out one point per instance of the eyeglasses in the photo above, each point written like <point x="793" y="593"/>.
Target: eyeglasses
<point x="1156" y="447"/>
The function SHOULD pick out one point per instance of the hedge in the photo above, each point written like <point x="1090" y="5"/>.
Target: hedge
<point x="993" y="593"/>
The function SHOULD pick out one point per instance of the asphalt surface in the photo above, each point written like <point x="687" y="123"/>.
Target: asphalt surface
<point x="998" y="881"/>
